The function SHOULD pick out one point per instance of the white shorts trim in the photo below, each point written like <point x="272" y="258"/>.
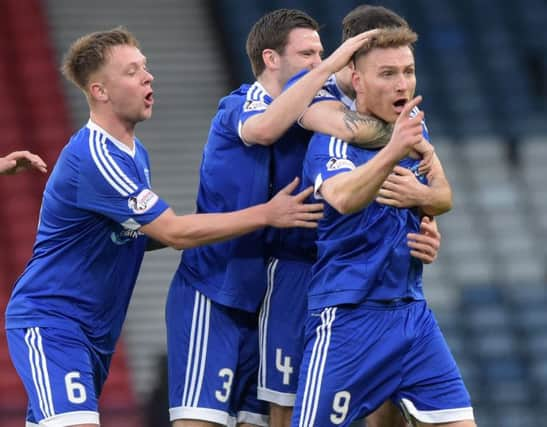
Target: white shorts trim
<point x="70" y="418"/>
<point x="29" y="424"/>
<point x="201" y="414"/>
<point x="277" y="397"/>
<point x="438" y="416"/>
<point x="252" y="418"/>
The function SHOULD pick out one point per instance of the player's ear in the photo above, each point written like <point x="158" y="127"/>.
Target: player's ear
<point x="356" y="80"/>
<point x="270" y="58"/>
<point x="98" y="92"/>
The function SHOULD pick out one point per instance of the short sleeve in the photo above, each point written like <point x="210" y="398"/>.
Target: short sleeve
<point x="256" y="102"/>
<point x="327" y="156"/>
<point x="114" y="185"/>
<point x="324" y="94"/>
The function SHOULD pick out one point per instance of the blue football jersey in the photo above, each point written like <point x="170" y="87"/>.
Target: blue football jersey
<point x="88" y="249"/>
<point x="331" y="87"/>
<point x="287" y="159"/>
<point x="233" y="175"/>
<point x="361" y="256"/>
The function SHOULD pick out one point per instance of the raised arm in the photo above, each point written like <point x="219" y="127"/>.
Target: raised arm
<point x="334" y="118"/>
<point x="282" y="211"/>
<point x="266" y="128"/>
<point x="349" y="192"/>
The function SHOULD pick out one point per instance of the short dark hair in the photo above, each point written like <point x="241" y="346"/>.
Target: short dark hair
<point x="272" y="32"/>
<point x="89" y="53"/>
<point x="366" y="17"/>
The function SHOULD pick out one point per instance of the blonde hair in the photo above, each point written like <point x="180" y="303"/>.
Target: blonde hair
<point x="89" y="53"/>
<point x="388" y="37"/>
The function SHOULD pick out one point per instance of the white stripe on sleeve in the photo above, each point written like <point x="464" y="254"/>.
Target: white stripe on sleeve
<point x="102" y="170"/>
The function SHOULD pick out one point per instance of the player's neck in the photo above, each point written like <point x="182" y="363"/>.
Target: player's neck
<point x="270" y="83"/>
<point x="362" y="107"/>
<point x="343" y="80"/>
<point x="122" y="131"/>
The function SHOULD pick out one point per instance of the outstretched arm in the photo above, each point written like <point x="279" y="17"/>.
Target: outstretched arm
<point x="19" y="161"/>
<point x="282" y="211"/>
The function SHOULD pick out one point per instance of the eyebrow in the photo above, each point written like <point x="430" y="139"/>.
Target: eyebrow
<point x="390" y="67"/>
<point x="320" y="51"/>
<point x="137" y="63"/>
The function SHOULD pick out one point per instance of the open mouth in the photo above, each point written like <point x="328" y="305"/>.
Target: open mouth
<point x="149" y="98"/>
<point x="399" y="104"/>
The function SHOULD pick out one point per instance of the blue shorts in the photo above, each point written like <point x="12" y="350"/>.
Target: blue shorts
<point x="212" y="359"/>
<point x="358" y="356"/>
<point x="62" y="375"/>
<point x="281" y="330"/>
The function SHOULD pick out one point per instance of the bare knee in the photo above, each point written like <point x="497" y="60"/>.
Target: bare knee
<point x="280" y="416"/>
<point x="387" y="415"/>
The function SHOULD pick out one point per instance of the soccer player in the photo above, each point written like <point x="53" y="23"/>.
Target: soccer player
<point x="369" y="334"/>
<point x="293" y="251"/>
<point x="66" y="310"/>
<point x="213" y="346"/>
<point x="19" y="161"/>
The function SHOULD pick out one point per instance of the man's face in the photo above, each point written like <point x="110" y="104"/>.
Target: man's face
<point x="127" y="84"/>
<point x="384" y="80"/>
<point x="303" y="51"/>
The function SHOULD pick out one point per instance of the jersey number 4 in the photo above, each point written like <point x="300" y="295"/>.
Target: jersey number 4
<point x="283" y="365"/>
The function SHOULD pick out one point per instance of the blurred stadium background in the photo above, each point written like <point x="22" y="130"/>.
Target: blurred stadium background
<point x="482" y="69"/>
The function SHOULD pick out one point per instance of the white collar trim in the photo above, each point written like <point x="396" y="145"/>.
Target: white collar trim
<point x="94" y="126"/>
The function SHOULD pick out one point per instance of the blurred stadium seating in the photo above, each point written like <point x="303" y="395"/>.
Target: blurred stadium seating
<point x="482" y="69"/>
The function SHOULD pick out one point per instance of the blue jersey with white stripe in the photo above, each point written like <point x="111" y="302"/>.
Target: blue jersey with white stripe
<point x="331" y="86"/>
<point x="362" y="256"/>
<point x="88" y="249"/>
<point x="233" y="175"/>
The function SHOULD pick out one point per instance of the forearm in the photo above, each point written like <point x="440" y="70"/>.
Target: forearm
<point x="351" y="191"/>
<point x="333" y="118"/>
<point x="436" y="198"/>
<point x="281" y="114"/>
<point x="188" y="231"/>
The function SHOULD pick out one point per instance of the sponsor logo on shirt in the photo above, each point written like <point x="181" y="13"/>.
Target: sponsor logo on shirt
<point x="335" y="164"/>
<point x="254" y="105"/>
<point x="143" y="201"/>
<point x="323" y="93"/>
<point x="124" y="236"/>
